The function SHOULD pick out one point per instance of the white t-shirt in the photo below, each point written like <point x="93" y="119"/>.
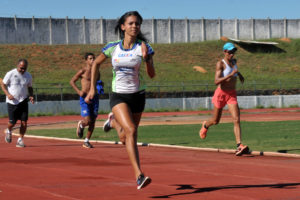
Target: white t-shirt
<point x="17" y="85"/>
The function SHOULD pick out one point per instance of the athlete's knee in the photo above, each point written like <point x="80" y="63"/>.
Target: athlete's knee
<point x="11" y="124"/>
<point x="130" y="131"/>
<point x="236" y="120"/>
<point x="91" y="122"/>
<point x="86" y="121"/>
<point x="24" y="123"/>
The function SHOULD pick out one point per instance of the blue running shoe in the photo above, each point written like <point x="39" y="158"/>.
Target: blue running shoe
<point x="143" y="181"/>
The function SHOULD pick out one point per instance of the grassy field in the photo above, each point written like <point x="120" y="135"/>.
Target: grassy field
<point x="259" y="136"/>
<point x="173" y="62"/>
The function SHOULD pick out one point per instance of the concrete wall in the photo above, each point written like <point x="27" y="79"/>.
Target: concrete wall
<point x="100" y="31"/>
<point x="245" y="102"/>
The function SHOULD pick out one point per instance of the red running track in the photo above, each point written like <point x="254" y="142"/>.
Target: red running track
<point x="56" y="170"/>
<point x="282" y="114"/>
<point x="59" y="170"/>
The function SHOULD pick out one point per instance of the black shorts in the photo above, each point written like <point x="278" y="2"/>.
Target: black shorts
<point x="135" y="101"/>
<point x="18" y="112"/>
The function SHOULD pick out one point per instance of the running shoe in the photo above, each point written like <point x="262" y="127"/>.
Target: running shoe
<point x="20" y="144"/>
<point x="203" y="131"/>
<point x="79" y="130"/>
<point x="143" y="181"/>
<point x="87" y="145"/>
<point x="106" y="125"/>
<point x="242" y="149"/>
<point x="7" y="136"/>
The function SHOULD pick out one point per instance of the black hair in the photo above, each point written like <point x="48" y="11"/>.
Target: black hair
<point x="122" y="21"/>
<point x="23" y="60"/>
<point x="86" y="55"/>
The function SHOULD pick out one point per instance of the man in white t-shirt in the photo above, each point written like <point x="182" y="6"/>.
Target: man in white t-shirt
<point x="17" y="86"/>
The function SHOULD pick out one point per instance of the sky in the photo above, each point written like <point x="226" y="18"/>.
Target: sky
<point x="158" y="9"/>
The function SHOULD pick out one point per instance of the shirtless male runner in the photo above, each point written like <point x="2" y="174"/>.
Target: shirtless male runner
<point x="89" y="112"/>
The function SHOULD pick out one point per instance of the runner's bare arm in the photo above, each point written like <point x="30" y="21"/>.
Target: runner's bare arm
<point x="150" y="67"/>
<point x="148" y="60"/>
<point x="4" y="89"/>
<point x="144" y="50"/>
<point x="73" y="81"/>
<point x="218" y="75"/>
<point x="31" y="97"/>
<point x="241" y="77"/>
<point x="94" y="76"/>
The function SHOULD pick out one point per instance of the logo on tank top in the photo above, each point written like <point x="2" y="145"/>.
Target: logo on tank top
<point x="122" y="55"/>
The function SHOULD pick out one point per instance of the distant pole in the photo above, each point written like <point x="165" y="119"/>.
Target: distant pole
<point x="67" y="30"/>
<point x="170" y="30"/>
<point x="101" y="31"/>
<point x="269" y="28"/>
<point x="256" y="103"/>
<point x="253" y="29"/>
<point x="32" y="23"/>
<point x="285" y="35"/>
<point x="220" y="27"/>
<point x="50" y="30"/>
<point x="280" y="101"/>
<point x="203" y="29"/>
<point x="236" y="28"/>
<point x="83" y="26"/>
<point x="187" y="30"/>
<point x="153" y="30"/>
<point x="15" y="21"/>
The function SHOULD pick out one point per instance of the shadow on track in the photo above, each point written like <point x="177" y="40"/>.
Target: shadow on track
<point x="211" y="189"/>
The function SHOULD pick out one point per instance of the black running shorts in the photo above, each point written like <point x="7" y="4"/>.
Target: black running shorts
<point x="18" y="112"/>
<point x="135" y="101"/>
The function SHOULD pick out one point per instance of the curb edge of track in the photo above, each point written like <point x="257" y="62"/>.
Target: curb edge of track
<point x="230" y="151"/>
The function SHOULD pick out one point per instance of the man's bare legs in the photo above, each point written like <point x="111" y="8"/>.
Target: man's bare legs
<point x="87" y="121"/>
<point x="90" y="122"/>
<point x="23" y="128"/>
<point x="10" y="126"/>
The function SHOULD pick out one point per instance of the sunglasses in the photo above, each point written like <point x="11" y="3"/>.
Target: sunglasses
<point x="231" y="51"/>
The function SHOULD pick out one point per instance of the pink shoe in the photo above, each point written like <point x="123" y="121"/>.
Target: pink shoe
<point x="203" y="131"/>
<point x="242" y="149"/>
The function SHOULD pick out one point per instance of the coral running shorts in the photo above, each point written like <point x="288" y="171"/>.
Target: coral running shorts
<point x="222" y="97"/>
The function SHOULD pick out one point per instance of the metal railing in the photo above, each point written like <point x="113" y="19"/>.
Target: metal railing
<point x="62" y="92"/>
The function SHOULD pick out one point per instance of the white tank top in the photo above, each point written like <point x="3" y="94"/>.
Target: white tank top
<point x="126" y="66"/>
<point x="228" y="69"/>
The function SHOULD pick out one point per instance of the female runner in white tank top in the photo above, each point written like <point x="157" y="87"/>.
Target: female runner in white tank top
<point x="225" y="78"/>
<point x="128" y="98"/>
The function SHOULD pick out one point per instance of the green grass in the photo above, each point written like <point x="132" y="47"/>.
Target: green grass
<point x="56" y="64"/>
<point x="281" y="136"/>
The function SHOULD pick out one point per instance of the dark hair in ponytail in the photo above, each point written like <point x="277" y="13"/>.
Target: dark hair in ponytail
<point x="122" y="21"/>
